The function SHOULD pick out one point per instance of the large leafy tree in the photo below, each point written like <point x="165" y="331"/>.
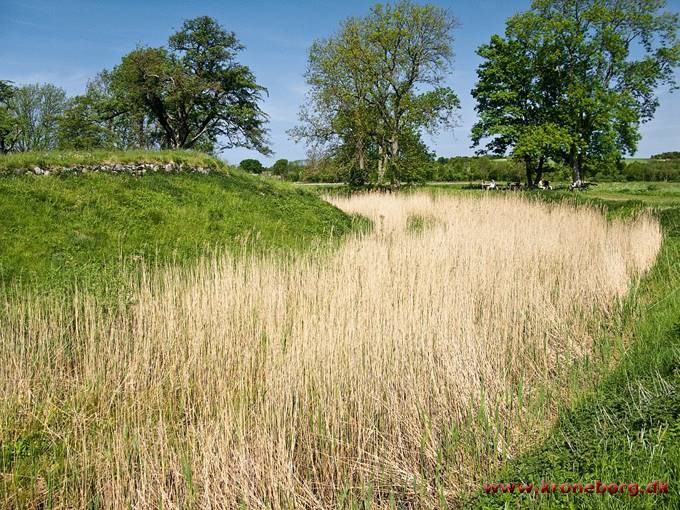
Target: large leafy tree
<point x="403" y="48"/>
<point x="379" y="80"/>
<point x="516" y="103"/>
<point x="610" y="56"/>
<point x="338" y="120"/>
<point x="588" y="77"/>
<point x="194" y="90"/>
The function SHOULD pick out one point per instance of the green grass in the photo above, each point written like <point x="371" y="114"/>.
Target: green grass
<point x="93" y="230"/>
<point x="17" y="162"/>
<point x="627" y="428"/>
<point x="417" y="223"/>
<point x="657" y="194"/>
<point x="660" y="194"/>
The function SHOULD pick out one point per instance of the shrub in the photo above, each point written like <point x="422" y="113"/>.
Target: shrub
<point x="280" y="167"/>
<point x="252" y="166"/>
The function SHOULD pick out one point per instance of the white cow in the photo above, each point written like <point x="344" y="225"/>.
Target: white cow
<point x="489" y="185"/>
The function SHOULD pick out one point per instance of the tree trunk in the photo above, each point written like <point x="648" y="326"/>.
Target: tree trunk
<point x="359" y="178"/>
<point x="141" y="142"/>
<point x="395" y="158"/>
<point x="539" y="171"/>
<point x="384" y="157"/>
<point x="530" y="171"/>
<point x="575" y="160"/>
<point x="361" y="157"/>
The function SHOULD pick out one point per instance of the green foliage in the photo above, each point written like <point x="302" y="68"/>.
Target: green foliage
<point x="416" y="162"/>
<point x="36" y="111"/>
<point x="468" y="169"/>
<point x="194" y="91"/>
<point x="667" y="155"/>
<point x="252" y="166"/>
<point x="509" y="98"/>
<point x="375" y="85"/>
<point x="516" y="109"/>
<point x="94" y="230"/>
<point x="8" y="124"/>
<point x="535" y="143"/>
<point x="653" y="170"/>
<point x="280" y="168"/>
<point x="99" y="119"/>
<point x="318" y="171"/>
<point x="463" y="168"/>
<point x="590" y="69"/>
<point x="79" y="128"/>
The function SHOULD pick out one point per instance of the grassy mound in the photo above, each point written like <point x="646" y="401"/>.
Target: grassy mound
<point x="93" y="229"/>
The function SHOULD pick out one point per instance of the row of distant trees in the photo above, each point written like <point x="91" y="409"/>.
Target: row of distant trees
<point x="667" y="155"/>
<point x="190" y="94"/>
<point x="298" y="171"/>
<point x="475" y="168"/>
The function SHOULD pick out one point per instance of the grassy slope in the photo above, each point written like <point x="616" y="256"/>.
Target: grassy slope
<point x="93" y="228"/>
<point x="628" y="428"/>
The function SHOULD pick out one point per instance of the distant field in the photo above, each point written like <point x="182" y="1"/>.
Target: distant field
<point x="665" y="194"/>
<point x="662" y="194"/>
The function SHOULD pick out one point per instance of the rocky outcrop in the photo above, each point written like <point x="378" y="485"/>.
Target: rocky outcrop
<point x="116" y="168"/>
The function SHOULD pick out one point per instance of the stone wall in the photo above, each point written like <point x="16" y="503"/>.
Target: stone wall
<point x="116" y="168"/>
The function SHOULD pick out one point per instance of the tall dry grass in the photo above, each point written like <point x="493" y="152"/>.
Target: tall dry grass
<point x="397" y="369"/>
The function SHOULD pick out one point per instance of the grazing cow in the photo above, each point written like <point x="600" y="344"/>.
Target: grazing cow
<point x="580" y="185"/>
<point x="543" y="184"/>
<point x="489" y="185"/>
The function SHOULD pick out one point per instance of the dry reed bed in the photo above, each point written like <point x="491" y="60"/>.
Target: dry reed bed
<point x="387" y="370"/>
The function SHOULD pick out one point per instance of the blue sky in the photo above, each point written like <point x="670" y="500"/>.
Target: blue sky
<point x="67" y="42"/>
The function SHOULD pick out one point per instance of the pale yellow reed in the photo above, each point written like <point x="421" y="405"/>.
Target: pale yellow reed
<point x="281" y="383"/>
